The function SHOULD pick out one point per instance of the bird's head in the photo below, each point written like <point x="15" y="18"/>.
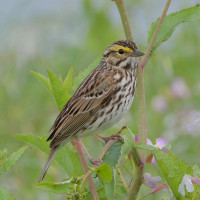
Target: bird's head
<point x="122" y="53"/>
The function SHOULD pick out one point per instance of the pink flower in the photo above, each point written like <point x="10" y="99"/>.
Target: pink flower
<point x="160" y="104"/>
<point x="121" y="161"/>
<point x="179" y="89"/>
<point x="151" y="181"/>
<point x="136" y="138"/>
<point x="160" y="143"/>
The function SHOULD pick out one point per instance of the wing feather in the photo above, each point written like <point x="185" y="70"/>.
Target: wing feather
<point x="80" y="109"/>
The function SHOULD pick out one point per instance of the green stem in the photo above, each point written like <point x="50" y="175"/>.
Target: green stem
<point x="122" y="180"/>
<point x="142" y="111"/>
<point x="139" y="166"/>
<point x="124" y="18"/>
<point x="148" y="51"/>
<point x="137" y="177"/>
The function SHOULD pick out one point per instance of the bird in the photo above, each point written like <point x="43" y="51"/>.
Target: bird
<point x="100" y="101"/>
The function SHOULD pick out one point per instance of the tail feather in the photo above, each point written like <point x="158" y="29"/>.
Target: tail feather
<point x="50" y="158"/>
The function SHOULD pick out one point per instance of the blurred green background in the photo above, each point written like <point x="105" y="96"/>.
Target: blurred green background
<point x="40" y="35"/>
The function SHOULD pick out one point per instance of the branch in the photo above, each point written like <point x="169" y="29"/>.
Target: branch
<point x="85" y="167"/>
<point x="148" y="51"/>
<point x="124" y="18"/>
<point x="100" y="157"/>
<point x="122" y="179"/>
<point x="137" y="181"/>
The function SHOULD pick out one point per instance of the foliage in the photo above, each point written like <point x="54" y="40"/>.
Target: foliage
<point x="7" y="162"/>
<point x="5" y="195"/>
<point x="171" y="22"/>
<point x="66" y="157"/>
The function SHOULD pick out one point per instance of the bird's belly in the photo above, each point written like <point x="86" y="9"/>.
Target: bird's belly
<point x="111" y="114"/>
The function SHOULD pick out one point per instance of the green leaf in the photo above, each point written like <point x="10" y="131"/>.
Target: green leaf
<point x="104" y="173"/>
<point x="65" y="157"/>
<point x="83" y="74"/>
<point x="171" y="22"/>
<point x="129" y="142"/>
<point x="173" y="169"/>
<point x="59" y="90"/>
<point x="113" y="154"/>
<point x="5" y="195"/>
<point x="144" y="146"/>
<point x="65" y="187"/>
<point x="68" y="82"/>
<point x="11" y="160"/>
<point x="120" y="193"/>
<point x="44" y="80"/>
<point x="110" y="188"/>
<point x="101" y="193"/>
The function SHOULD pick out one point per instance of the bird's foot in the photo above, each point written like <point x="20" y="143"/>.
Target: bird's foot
<point x="96" y="162"/>
<point x="115" y="136"/>
<point x="112" y="137"/>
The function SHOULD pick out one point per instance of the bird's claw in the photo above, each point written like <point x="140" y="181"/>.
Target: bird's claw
<point x="96" y="161"/>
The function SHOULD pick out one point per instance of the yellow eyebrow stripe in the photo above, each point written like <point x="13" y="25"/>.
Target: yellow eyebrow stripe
<point x="126" y="49"/>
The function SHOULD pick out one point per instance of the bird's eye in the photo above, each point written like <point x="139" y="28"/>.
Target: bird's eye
<point x="120" y="51"/>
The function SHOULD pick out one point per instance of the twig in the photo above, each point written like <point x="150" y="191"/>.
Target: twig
<point x="122" y="179"/>
<point x="100" y="157"/>
<point x="148" y="51"/>
<point x="142" y="111"/>
<point x="85" y="167"/>
<point x="124" y="18"/>
<point x="85" y="150"/>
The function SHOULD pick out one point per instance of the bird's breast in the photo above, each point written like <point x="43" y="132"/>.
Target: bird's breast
<point x="113" y="111"/>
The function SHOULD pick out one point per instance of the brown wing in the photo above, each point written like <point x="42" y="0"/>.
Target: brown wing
<point x="81" y="108"/>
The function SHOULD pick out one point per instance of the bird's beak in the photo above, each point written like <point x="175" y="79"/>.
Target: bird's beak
<point x="137" y="53"/>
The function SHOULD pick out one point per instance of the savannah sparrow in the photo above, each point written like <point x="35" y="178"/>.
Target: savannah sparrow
<point x="101" y="99"/>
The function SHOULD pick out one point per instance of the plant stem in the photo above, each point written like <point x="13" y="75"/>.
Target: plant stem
<point x="148" y="51"/>
<point x="139" y="166"/>
<point x="122" y="179"/>
<point x="85" y="167"/>
<point x="124" y="18"/>
<point x="142" y="111"/>
<point x="141" y="91"/>
<point x="139" y="162"/>
<point x="137" y="177"/>
<point x="100" y="157"/>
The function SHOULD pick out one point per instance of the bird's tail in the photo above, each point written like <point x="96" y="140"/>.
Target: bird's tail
<point x="50" y="158"/>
